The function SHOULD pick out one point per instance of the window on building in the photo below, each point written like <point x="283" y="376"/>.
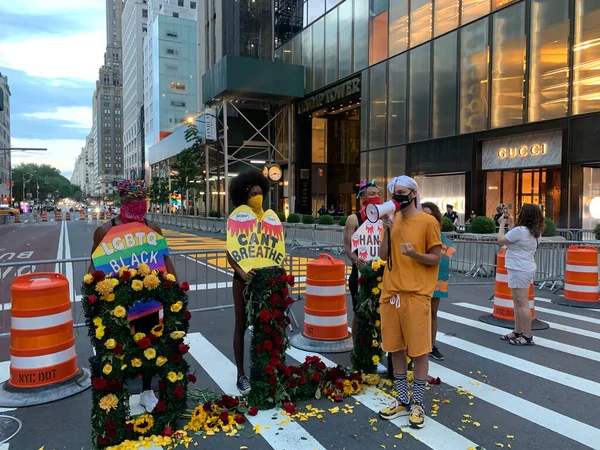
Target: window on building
<point x="144" y="28"/>
<point x="107" y="103"/>
<point x="586" y="57"/>
<point x="397" y="100"/>
<point x="179" y="2"/>
<point x="315" y="9"/>
<point x="508" y="68"/>
<point x="398" y="33"/>
<point x="419" y="97"/>
<point x="420" y="21"/>
<point x="377" y="105"/>
<point x="378" y="31"/>
<point x="107" y="111"/>
<point x="192" y="5"/>
<point x="176" y="15"/>
<point x="474" y="9"/>
<point x="549" y="56"/>
<point x="145" y="13"/>
<point x="345" y="39"/>
<point x="446" y="15"/>
<point x="444" y="85"/>
<point x="178" y="104"/>
<point x="177" y="86"/>
<point x="377" y="166"/>
<point x="307" y="58"/>
<point x="318" y="39"/>
<point x="170" y="51"/>
<point x="171" y="34"/>
<point x="361" y="34"/>
<point x="331" y="47"/>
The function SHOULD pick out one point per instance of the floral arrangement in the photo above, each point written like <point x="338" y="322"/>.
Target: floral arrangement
<point x="273" y="382"/>
<point x="217" y="413"/>
<point x="121" y="355"/>
<point x="367" y="351"/>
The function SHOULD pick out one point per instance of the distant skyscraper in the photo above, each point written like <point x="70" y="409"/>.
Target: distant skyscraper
<point x="5" y="178"/>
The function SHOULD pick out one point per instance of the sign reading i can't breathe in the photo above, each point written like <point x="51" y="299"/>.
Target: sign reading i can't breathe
<point x="365" y="240"/>
<point x="254" y="243"/>
<point x="129" y="246"/>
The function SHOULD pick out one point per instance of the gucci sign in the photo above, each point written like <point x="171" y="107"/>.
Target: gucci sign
<point x="523" y="151"/>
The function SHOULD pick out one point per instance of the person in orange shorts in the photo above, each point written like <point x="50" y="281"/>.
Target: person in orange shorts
<point x="412" y="247"/>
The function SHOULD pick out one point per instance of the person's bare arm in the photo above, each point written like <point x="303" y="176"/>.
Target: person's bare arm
<point x="349" y="229"/>
<point x="98" y="236"/>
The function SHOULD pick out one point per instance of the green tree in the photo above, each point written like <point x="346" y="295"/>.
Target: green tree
<point x="189" y="166"/>
<point x="159" y="192"/>
<point x="41" y="181"/>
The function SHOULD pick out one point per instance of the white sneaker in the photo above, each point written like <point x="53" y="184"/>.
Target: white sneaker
<point x="148" y="400"/>
<point x="381" y="368"/>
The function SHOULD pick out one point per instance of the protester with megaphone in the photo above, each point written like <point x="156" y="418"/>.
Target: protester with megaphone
<point x="412" y="247"/>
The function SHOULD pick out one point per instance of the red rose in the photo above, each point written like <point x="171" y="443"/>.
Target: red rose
<point x="269" y="370"/>
<point x="118" y="349"/>
<point x="272" y="393"/>
<point x="267" y="329"/>
<point x="272" y="381"/>
<point x="103" y="441"/>
<point x="224" y="416"/>
<point x="278" y="340"/>
<point x="185" y="286"/>
<point x="183" y="348"/>
<point x="167" y="431"/>
<point x="126" y="275"/>
<point x="161" y="406"/>
<point x="176" y="358"/>
<point x="283" y="277"/>
<point x="99" y="383"/>
<point x="207" y="405"/>
<point x="98" y="276"/>
<point x="315" y="377"/>
<point x="268" y="345"/>
<point x="111" y="433"/>
<point x="240" y="419"/>
<point x="289" y="408"/>
<point x="192" y="378"/>
<point x="129" y="427"/>
<point x="167" y="284"/>
<point x="161" y="385"/>
<point x="187" y="315"/>
<point x="290" y="280"/>
<point x="277" y="315"/>
<point x="114" y="385"/>
<point x="265" y="315"/>
<point x="288" y="301"/>
<point x="287" y="371"/>
<point x="302" y="380"/>
<point x="274" y="361"/>
<point x="292" y="382"/>
<point x="362" y="281"/>
<point x="339" y="384"/>
<point x="253" y="411"/>
<point x="275" y="353"/>
<point x="339" y="398"/>
<point x="92" y="299"/>
<point x="178" y="392"/>
<point x="110" y="424"/>
<point x="144" y="342"/>
<point x="329" y="391"/>
<point x="259" y="348"/>
<point x="320" y="366"/>
<point x="285" y="291"/>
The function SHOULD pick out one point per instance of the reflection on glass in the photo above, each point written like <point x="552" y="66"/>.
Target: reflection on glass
<point x="396" y="165"/>
<point x="332" y="3"/>
<point x="297" y="50"/>
<point x="493" y="186"/>
<point x="508" y="66"/>
<point x="500" y="3"/>
<point x="319" y="140"/>
<point x="586" y="57"/>
<point x="591" y="197"/>
<point x="287" y="52"/>
<point x="398" y="26"/>
<point x="444" y="85"/>
<point x="474" y="77"/>
<point x="378" y="32"/>
<point x="446" y="16"/>
<point x="419" y="93"/>
<point x="316" y="8"/>
<point x="319" y="53"/>
<point x="361" y="34"/>
<point x="444" y="190"/>
<point x="474" y="9"/>
<point x="331" y="47"/>
<point x="397" y="100"/>
<point x="378" y="105"/>
<point x="420" y="21"/>
<point x="307" y="60"/>
<point x="377" y="167"/>
<point x="278" y="54"/>
<point x="549" y="72"/>
<point x="364" y="111"/>
<point x="345" y="38"/>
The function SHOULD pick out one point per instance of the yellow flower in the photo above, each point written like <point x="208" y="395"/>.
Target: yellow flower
<point x="375" y="265"/>
<point x="160" y="361"/>
<point x="143" y="424"/>
<point x="100" y="332"/>
<point x="137" y="285"/>
<point x="107" y="369"/>
<point x="179" y="376"/>
<point x="119" y="311"/>
<point x="104" y="287"/>
<point x="176" y="307"/>
<point x="375" y="335"/>
<point x="380" y="286"/>
<point x="375" y="291"/>
<point x="375" y="359"/>
<point x="110" y="297"/>
<point x="124" y="366"/>
<point x="138" y="336"/>
<point x="379" y="279"/>
<point x="133" y="272"/>
<point x="172" y="377"/>
<point x="377" y="323"/>
<point x="122" y="269"/>
<point x="110" y="344"/>
<point x="88" y="278"/>
<point x="97" y="321"/>
<point x="115" y="282"/>
<point x="157" y="330"/>
<point x="170" y="277"/>
<point x="375" y="343"/>
<point x="136" y="362"/>
<point x="150" y="353"/>
<point x="143" y="269"/>
<point x="177" y="334"/>
<point x="151" y="282"/>
<point x="109" y="402"/>
<point x="377" y="310"/>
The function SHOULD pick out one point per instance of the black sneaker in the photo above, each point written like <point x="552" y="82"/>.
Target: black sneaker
<point x="435" y="354"/>
<point x="243" y="385"/>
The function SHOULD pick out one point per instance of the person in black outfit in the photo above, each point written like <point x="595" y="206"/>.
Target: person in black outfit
<point x="451" y="214"/>
<point x="499" y="213"/>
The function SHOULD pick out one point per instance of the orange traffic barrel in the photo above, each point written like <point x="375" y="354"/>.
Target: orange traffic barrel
<point x="67" y="215"/>
<point x="17" y="218"/>
<point x="81" y="214"/>
<point x="581" y="278"/>
<point x="503" y="313"/>
<point x="94" y="215"/>
<point x="42" y="343"/>
<point x="325" y="311"/>
<point x="44" y="217"/>
<point x="58" y="215"/>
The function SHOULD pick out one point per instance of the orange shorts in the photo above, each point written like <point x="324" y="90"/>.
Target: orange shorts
<point x="406" y="324"/>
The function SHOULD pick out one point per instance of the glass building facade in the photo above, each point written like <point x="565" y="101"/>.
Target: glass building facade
<point x="447" y="87"/>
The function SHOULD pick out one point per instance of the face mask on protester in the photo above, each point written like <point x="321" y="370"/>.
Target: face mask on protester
<point x="134" y="211"/>
<point x="402" y="200"/>
<point x="256" y="203"/>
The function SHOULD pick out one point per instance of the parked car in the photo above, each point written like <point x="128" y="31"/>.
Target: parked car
<point x="8" y="210"/>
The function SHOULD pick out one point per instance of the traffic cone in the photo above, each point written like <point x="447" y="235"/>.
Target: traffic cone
<point x="81" y="215"/>
<point x="44" y="217"/>
<point x="17" y="218"/>
<point x="68" y="216"/>
<point x="581" y="278"/>
<point x="58" y="215"/>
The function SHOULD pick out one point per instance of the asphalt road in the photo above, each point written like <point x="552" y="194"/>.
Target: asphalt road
<point x="492" y="394"/>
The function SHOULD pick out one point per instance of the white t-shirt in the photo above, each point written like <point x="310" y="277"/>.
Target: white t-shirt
<point x="521" y="250"/>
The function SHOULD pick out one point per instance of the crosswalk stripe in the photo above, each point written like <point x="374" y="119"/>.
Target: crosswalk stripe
<point x="559" y="346"/>
<point x="569" y="315"/>
<point x="556" y="376"/>
<point x="553" y="421"/>
<point x="553" y="325"/>
<point x="434" y="435"/>
<point x="223" y="372"/>
<point x="5" y="376"/>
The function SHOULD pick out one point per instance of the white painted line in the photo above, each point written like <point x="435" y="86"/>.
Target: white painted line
<point x="560" y="313"/>
<point x="558" y="346"/>
<point x="5" y="376"/>
<point x="69" y="266"/>
<point x="224" y="373"/>
<point x="435" y="435"/>
<point x="553" y="421"/>
<point x="59" y="253"/>
<point x="553" y="325"/>
<point x="523" y="365"/>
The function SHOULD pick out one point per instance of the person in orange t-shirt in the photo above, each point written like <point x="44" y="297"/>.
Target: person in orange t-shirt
<point x="412" y="247"/>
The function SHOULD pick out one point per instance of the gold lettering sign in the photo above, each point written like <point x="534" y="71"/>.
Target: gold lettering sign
<point x="523" y="151"/>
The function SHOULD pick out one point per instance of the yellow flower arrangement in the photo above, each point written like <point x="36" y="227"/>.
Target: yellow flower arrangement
<point x="375" y="291"/>
<point x="124" y="366"/>
<point x="143" y="424"/>
<point x="110" y="344"/>
<point x="157" y="330"/>
<point x="379" y="279"/>
<point x="170" y="277"/>
<point x="88" y="278"/>
<point x="177" y="335"/>
<point x="108" y="402"/>
<point x="119" y="311"/>
<point x="107" y="369"/>
<point x="115" y="282"/>
<point x="138" y="336"/>
<point x="104" y="287"/>
<point x="137" y="285"/>
<point x="375" y="265"/>
<point x="100" y="331"/>
<point x="375" y="359"/>
<point x="133" y="272"/>
<point x="97" y="321"/>
<point x="151" y="282"/>
<point x="150" y="353"/>
<point x="136" y="362"/>
<point x="380" y="286"/>
<point x="375" y="343"/>
<point x="176" y="307"/>
<point x="179" y="376"/>
<point x="161" y="360"/>
<point x="377" y="323"/>
<point x="144" y="269"/>
<point x="172" y="377"/>
<point x="123" y="269"/>
<point x="110" y="297"/>
<point x="371" y="379"/>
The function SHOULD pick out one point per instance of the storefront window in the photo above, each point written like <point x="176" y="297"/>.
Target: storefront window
<point x="420" y="21"/>
<point x="586" y="57"/>
<point x="591" y="197"/>
<point x="396" y="165"/>
<point x="474" y="9"/>
<point x="378" y="31"/>
<point x="500" y="3"/>
<point x="319" y="53"/>
<point x="331" y="47"/>
<point x="397" y="100"/>
<point x="446" y="16"/>
<point x="549" y="47"/>
<point x="345" y="38"/>
<point x="444" y="85"/>
<point x="398" y="26"/>
<point x="444" y="190"/>
<point x="319" y="140"/>
<point x="508" y="66"/>
<point x="361" y="34"/>
<point x="378" y="106"/>
<point x="474" y="77"/>
<point x="307" y="60"/>
<point x="419" y="93"/>
<point x="377" y="167"/>
<point x="316" y="8"/>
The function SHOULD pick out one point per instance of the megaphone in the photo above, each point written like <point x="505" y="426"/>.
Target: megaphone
<point x="376" y="212"/>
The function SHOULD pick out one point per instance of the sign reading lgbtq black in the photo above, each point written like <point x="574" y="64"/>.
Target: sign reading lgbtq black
<point x="255" y="243"/>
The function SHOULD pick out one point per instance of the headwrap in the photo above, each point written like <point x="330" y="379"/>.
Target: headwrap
<point x="408" y="183"/>
<point x="133" y="188"/>
<point x="364" y="185"/>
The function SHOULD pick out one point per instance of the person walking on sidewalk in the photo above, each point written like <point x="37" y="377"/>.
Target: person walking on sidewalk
<point x="412" y="247"/>
<point x="522" y="243"/>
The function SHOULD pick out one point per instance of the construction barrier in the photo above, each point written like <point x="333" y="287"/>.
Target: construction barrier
<point x="581" y="278"/>
<point x="81" y="215"/>
<point x="42" y="343"/>
<point x="58" y="215"/>
<point x="325" y="311"/>
<point x="67" y="215"/>
<point x="94" y="215"/>
<point x="17" y="218"/>
<point x="503" y="314"/>
<point x="44" y="217"/>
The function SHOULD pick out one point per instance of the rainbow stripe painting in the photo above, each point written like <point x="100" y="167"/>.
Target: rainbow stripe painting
<point x="129" y="246"/>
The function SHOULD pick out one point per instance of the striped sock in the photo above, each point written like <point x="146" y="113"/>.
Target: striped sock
<point x="401" y="387"/>
<point x="418" y="390"/>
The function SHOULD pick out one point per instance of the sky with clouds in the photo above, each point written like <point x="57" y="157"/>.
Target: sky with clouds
<point x="51" y="52"/>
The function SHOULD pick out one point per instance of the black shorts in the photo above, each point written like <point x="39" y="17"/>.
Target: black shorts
<point x="145" y="323"/>
<point x="353" y="286"/>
